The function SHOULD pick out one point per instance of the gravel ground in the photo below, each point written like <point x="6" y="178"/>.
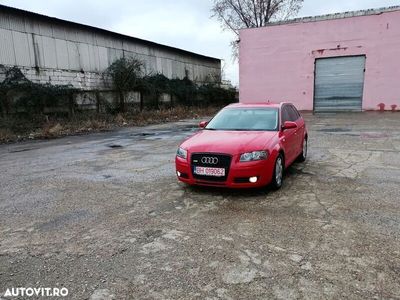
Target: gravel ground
<point x="104" y="216"/>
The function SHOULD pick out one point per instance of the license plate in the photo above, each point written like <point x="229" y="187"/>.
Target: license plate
<point x="217" y="172"/>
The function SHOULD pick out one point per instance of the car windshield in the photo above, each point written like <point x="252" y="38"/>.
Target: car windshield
<point x="245" y="119"/>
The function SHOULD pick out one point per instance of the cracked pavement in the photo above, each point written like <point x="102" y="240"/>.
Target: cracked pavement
<point x="104" y="216"/>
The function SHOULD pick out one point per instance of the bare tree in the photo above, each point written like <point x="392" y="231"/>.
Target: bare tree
<point x="237" y="14"/>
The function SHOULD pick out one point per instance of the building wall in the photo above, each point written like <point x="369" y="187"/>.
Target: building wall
<point x="51" y="50"/>
<point x="277" y="62"/>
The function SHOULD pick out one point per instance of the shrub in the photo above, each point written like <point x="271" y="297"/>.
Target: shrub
<point x="126" y="74"/>
<point x="211" y="94"/>
<point x="31" y="98"/>
<point x="153" y="87"/>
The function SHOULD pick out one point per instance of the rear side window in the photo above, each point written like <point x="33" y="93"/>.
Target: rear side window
<point x="296" y="111"/>
<point x="293" y="114"/>
<point x="285" y="114"/>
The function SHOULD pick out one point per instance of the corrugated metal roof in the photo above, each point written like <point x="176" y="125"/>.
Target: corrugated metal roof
<point x="45" y="18"/>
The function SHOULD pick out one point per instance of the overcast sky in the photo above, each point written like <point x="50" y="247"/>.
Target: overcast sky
<point x="184" y="24"/>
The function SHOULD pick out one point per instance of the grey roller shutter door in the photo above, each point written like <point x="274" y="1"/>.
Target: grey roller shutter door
<point x="339" y="83"/>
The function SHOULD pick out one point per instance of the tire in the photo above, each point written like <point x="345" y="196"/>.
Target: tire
<point x="277" y="176"/>
<point x="303" y="155"/>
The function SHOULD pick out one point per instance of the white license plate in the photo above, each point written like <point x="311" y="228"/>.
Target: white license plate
<point x="217" y="172"/>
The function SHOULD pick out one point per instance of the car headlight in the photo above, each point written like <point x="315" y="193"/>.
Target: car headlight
<point x="252" y="156"/>
<point x="182" y="153"/>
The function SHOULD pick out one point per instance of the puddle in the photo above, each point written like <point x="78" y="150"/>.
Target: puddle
<point x="337" y="129"/>
<point x="165" y="134"/>
<point x="144" y="134"/>
<point x="21" y="150"/>
<point x="113" y="146"/>
<point x="374" y="135"/>
<point x="348" y="132"/>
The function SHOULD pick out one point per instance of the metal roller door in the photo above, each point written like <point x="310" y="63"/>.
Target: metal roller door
<point x="339" y="83"/>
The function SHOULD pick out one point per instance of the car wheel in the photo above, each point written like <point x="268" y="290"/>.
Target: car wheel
<point x="277" y="176"/>
<point x="303" y="154"/>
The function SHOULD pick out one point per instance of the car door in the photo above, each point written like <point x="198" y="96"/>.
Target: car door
<point x="294" y="116"/>
<point x="289" y="137"/>
<point x="302" y="128"/>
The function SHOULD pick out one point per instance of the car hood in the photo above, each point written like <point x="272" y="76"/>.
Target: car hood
<point x="230" y="142"/>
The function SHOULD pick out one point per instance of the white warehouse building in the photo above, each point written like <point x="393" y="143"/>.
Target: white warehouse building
<point x="48" y="49"/>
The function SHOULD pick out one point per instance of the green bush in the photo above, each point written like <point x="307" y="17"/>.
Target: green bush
<point x="22" y="96"/>
<point x="153" y="87"/>
<point x="184" y="90"/>
<point x="31" y="98"/>
<point x="126" y="74"/>
<point x="211" y="94"/>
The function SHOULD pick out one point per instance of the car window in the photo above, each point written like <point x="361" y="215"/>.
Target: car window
<point x="245" y="119"/>
<point x="296" y="111"/>
<point x="293" y="116"/>
<point x="285" y="114"/>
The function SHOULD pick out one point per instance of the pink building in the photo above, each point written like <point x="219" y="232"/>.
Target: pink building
<point x="339" y="62"/>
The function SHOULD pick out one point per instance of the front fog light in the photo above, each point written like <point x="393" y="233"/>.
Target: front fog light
<point x="178" y="173"/>
<point x="253" y="179"/>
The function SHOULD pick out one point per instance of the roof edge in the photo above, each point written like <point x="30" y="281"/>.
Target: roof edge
<point x="334" y="16"/>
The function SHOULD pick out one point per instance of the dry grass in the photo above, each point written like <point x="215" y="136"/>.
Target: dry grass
<point x="7" y="135"/>
<point x="12" y="131"/>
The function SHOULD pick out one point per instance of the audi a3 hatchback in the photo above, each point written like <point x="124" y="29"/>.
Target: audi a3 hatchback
<point x="244" y="146"/>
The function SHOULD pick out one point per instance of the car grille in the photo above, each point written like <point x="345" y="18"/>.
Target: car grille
<point x="224" y="161"/>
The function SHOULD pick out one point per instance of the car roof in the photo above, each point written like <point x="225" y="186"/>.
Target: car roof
<point x="262" y="104"/>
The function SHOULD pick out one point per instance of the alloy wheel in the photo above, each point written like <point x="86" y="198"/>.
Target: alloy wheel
<point x="305" y="149"/>
<point x="278" y="171"/>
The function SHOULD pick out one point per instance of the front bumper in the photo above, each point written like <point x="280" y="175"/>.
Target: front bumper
<point x="238" y="177"/>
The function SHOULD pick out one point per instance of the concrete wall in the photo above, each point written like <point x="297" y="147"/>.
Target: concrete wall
<point x="277" y="62"/>
<point x="61" y="52"/>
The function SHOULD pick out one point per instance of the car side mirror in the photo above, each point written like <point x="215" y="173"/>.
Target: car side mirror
<point x="289" y="125"/>
<point x="203" y="124"/>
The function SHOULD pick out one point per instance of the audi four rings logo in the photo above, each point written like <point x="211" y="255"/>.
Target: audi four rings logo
<point x="209" y="160"/>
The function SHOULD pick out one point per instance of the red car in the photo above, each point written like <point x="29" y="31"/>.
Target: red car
<point x="244" y="146"/>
